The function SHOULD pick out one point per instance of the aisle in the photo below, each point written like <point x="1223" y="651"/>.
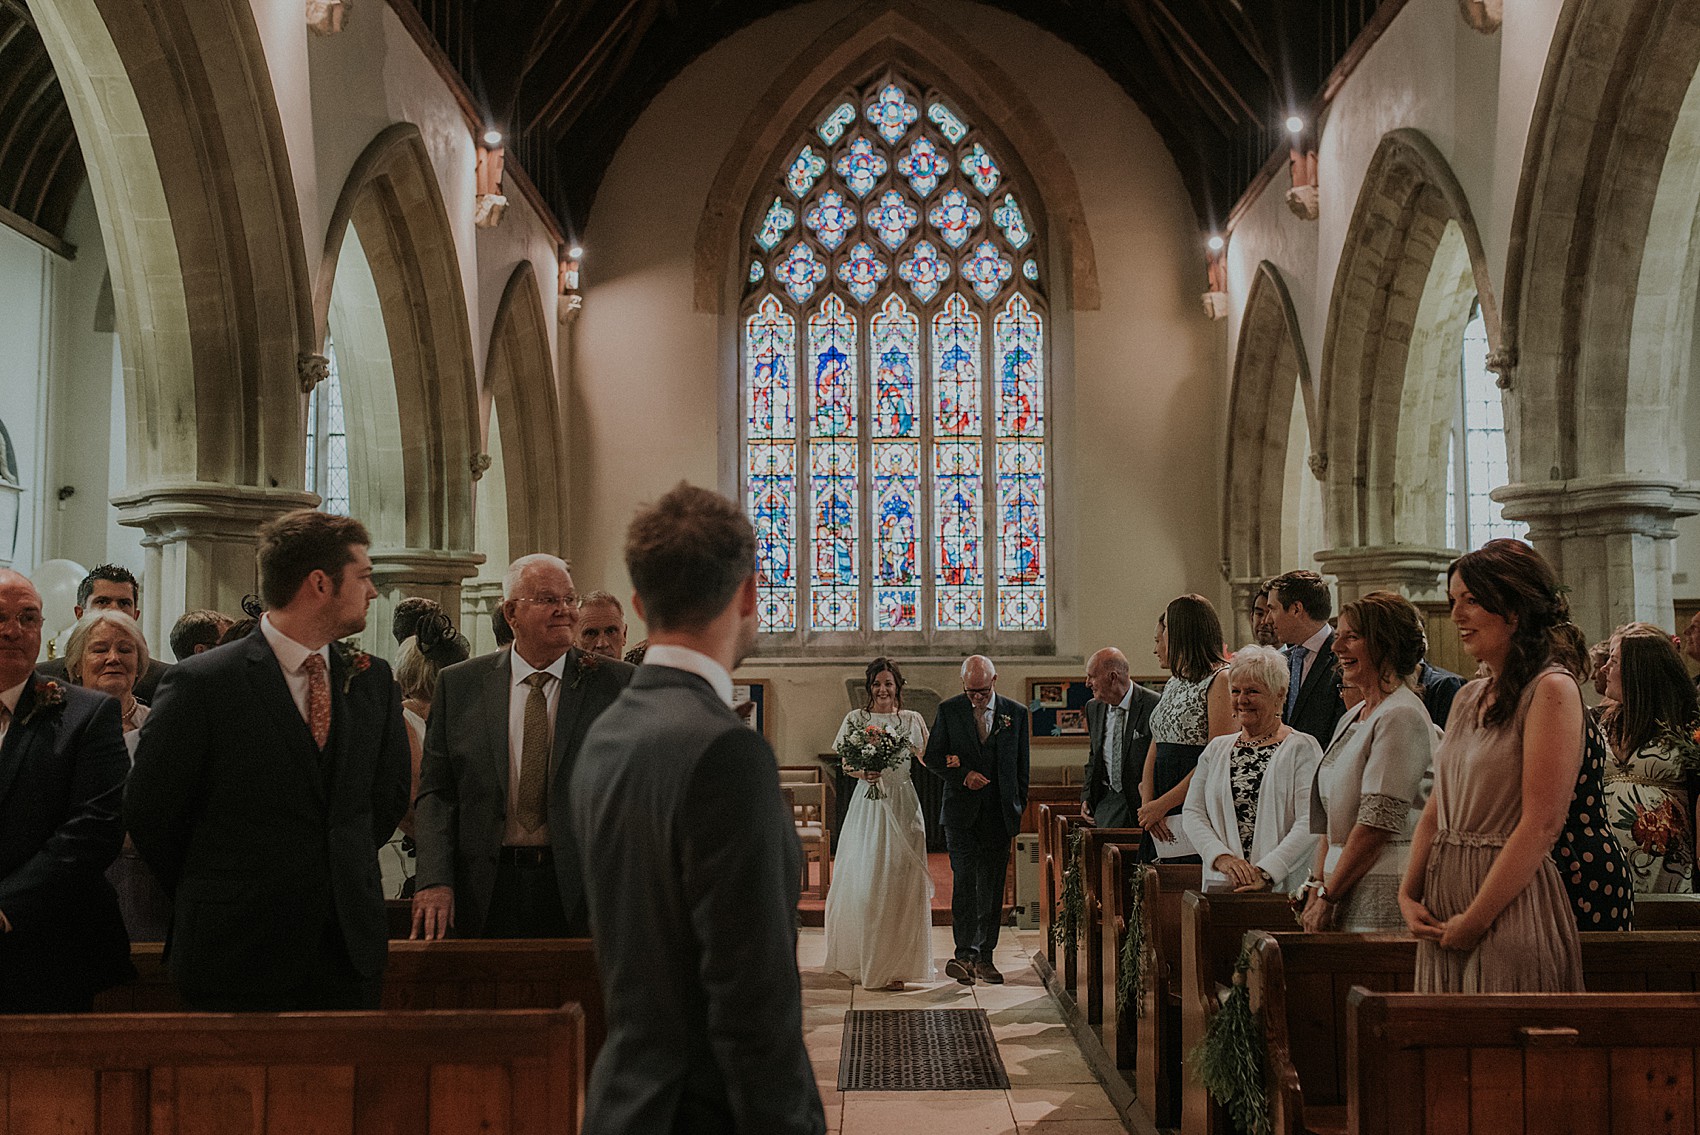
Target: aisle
<point x="1052" y="1092"/>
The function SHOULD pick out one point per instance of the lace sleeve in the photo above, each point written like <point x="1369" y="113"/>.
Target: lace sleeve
<point x="1389" y="813"/>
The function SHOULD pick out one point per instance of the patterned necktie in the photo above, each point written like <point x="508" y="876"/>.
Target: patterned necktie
<point x="1295" y="678"/>
<point x="318" y="699"/>
<point x="1113" y="746"/>
<point x="534" y="756"/>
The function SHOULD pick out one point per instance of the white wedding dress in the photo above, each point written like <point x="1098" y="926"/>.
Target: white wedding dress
<point x="879" y="909"/>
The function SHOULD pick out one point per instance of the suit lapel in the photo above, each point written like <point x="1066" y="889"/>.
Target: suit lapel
<point x="18" y="738"/>
<point x="566" y="711"/>
<point x="1319" y="669"/>
<point x="498" y="689"/>
<point x="271" y="690"/>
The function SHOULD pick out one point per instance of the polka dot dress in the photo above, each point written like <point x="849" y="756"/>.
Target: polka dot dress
<point x="1587" y="853"/>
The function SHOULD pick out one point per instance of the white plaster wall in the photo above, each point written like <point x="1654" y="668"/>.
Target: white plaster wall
<point x="26" y="270"/>
<point x="1135" y="405"/>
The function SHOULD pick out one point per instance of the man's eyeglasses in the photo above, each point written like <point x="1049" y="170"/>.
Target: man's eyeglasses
<point x="977" y="691"/>
<point x="27" y="621"/>
<point x="550" y="600"/>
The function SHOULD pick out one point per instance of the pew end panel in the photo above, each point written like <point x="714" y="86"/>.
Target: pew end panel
<point x="1067" y="961"/>
<point x="1090" y="942"/>
<point x="1157" y="1066"/>
<point x="1051" y="850"/>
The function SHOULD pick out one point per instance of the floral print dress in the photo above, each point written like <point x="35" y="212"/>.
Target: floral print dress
<point x="1651" y="813"/>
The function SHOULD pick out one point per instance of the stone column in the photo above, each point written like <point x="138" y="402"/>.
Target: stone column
<point x="1609" y="540"/>
<point x="200" y="541"/>
<point x="1414" y="572"/>
<point x="402" y="572"/>
<point x="479" y="599"/>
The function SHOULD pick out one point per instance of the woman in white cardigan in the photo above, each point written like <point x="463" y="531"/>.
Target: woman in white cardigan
<point x="1248" y="808"/>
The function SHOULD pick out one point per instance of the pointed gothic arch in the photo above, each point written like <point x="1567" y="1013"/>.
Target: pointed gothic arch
<point x="1412" y="265"/>
<point x="904" y="35"/>
<point x="392" y="203"/>
<point x="520" y="377"/>
<point x="1271" y="373"/>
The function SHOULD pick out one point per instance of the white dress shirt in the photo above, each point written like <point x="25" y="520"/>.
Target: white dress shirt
<point x="1313" y="645"/>
<point x="292" y="658"/>
<point x="694" y="662"/>
<point x="1115" y="724"/>
<point x="513" y="834"/>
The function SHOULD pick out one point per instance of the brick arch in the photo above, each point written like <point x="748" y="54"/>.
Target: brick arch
<point x="1595" y="203"/>
<point x="173" y="107"/>
<point x="520" y="377"/>
<point x="1271" y="371"/>
<point x="1399" y="227"/>
<point x="393" y="203"/>
<point x="916" y="42"/>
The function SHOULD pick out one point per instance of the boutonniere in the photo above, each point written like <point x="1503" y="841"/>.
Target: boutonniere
<point x="49" y="698"/>
<point x="1003" y="721"/>
<point x="589" y="662"/>
<point x="355" y="663"/>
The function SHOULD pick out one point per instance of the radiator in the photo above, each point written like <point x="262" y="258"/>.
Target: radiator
<point x="1027" y="868"/>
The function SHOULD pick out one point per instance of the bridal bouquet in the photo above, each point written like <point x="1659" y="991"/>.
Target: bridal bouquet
<point x="868" y="748"/>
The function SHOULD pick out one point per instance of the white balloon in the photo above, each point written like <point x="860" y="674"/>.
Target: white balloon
<point x="57" y="582"/>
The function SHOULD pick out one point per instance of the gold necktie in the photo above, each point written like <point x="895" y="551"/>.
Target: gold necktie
<point x="534" y="756"/>
<point x="318" y="700"/>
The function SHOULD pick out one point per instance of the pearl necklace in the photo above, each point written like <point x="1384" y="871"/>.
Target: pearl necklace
<point x="131" y="705"/>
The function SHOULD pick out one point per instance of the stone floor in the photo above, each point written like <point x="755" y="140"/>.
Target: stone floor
<point x="1051" y="1092"/>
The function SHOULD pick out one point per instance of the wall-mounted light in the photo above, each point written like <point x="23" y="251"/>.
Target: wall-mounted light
<point x="1216" y="278"/>
<point x="1295" y="124"/>
<point x="492" y="137"/>
<point x="490" y="204"/>
<point x="575" y="253"/>
<point x="1216" y="243"/>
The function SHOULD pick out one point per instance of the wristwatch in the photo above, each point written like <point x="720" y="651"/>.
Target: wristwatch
<point x="1322" y="893"/>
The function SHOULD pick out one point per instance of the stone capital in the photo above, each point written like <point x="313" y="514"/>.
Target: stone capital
<point x="202" y="510"/>
<point x="1413" y="571"/>
<point x="422" y="567"/>
<point x="1611" y="505"/>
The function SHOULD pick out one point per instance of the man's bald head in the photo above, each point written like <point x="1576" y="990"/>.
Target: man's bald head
<point x="1107" y="676"/>
<point x="979" y="681"/>
<point x="20" y="627"/>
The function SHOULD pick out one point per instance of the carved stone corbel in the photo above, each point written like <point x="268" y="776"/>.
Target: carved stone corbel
<point x="1483" y="15"/>
<point x="1318" y="463"/>
<point x="1503" y="363"/>
<point x="328" y="17"/>
<point x="311" y="370"/>
<point x="480" y="465"/>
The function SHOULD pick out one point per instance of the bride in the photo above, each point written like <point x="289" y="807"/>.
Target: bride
<point x="879" y="908"/>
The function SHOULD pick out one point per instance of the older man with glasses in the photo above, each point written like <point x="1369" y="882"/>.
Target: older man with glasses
<point x="979" y="746"/>
<point x="497" y="857"/>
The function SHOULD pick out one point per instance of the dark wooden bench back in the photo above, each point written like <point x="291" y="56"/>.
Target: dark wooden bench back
<point x="1509" y="1064"/>
<point x="1157" y="1067"/>
<point x="1117" y="1030"/>
<point x="372" y="1073"/>
<point x="1667" y="912"/>
<point x="543" y="973"/>
<point x="1067" y="961"/>
<point x="1213" y="926"/>
<point x="1089" y="945"/>
<point x="1051" y="850"/>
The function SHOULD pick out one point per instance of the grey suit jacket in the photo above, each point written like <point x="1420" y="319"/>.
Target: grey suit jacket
<point x="1135" y="743"/>
<point x="692" y="871"/>
<point x="464" y="773"/>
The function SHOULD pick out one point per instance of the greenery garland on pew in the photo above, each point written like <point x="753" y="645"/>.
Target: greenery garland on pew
<point x="1229" y="1060"/>
<point x="1130" y="975"/>
<point x="1066" y="931"/>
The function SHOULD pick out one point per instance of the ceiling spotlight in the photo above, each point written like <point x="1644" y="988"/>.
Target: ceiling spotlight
<point x="1216" y="244"/>
<point x="492" y="137"/>
<point x="1295" y="124"/>
<point x="575" y="253"/>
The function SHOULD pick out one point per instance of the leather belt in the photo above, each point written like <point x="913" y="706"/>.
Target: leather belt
<point x="526" y="856"/>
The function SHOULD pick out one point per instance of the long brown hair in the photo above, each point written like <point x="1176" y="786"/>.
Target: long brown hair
<point x="1656" y="689"/>
<point x="1195" y="638"/>
<point x="1510" y="579"/>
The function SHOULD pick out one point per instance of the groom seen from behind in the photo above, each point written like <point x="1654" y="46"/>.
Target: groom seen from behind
<point x="979" y="746"/>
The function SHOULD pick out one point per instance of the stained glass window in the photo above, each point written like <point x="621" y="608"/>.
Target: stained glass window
<point x="327" y="439"/>
<point x="900" y="488"/>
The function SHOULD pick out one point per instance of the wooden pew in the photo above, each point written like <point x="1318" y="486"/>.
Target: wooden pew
<point x="1052" y="847"/>
<point x="1301" y="987"/>
<point x="1213" y="926"/>
<point x="1066" y="961"/>
<point x="540" y="973"/>
<point x="372" y="1073"/>
<point x="1606" y="1063"/>
<point x="1157" y="1065"/>
<point x="1117" y="1031"/>
<point x="1667" y="912"/>
<point x="1090" y="943"/>
<point x="1040" y="796"/>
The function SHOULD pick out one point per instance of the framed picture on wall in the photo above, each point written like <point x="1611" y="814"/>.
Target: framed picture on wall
<point x="1056" y="708"/>
<point x="758" y="691"/>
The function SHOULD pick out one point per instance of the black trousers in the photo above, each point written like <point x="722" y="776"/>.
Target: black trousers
<point x="979" y="858"/>
<point x="332" y="984"/>
<point x="527" y="904"/>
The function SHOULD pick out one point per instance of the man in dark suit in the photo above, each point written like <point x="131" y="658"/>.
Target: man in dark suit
<point x="691" y="859"/>
<point x="493" y="820"/>
<point x="1439" y="687"/>
<point x="979" y="747"/>
<point x="112" y="588"/>
<point x="62" y="768"/>
<point x="1118" y="727"/>
<point x="1299" y="606"/>
<point x="268" y="775"/>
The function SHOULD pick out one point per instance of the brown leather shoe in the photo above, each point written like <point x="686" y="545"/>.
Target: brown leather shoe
<point x="988" y="973"/>
<point x="962" y="971"/>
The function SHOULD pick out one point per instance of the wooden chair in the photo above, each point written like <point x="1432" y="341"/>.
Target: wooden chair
<point x="812" y="811"/>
